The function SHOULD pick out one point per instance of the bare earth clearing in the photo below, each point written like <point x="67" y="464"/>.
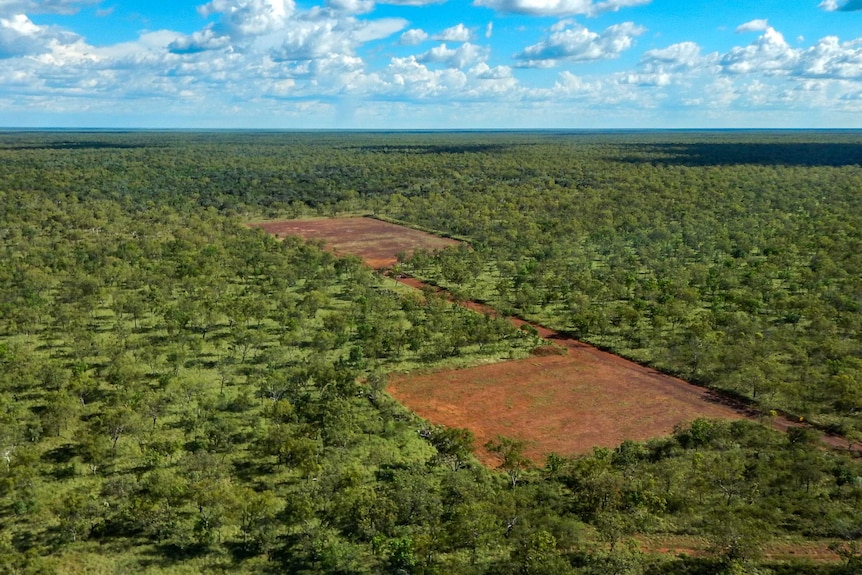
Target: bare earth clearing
<point x="375" y="241"/>
<point x="563" y="403"/>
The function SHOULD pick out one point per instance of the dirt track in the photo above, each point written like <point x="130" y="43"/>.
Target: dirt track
<point x="564" y="404"/>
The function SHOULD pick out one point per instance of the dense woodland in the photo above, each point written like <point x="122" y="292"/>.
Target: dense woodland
<point x="182" y="394"/>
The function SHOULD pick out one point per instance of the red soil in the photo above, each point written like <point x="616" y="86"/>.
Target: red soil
<point x="375" y="241"/>
<point x="564" y="403"/>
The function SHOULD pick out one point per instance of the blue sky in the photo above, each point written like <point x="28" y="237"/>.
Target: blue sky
<point x="401" y="64"/>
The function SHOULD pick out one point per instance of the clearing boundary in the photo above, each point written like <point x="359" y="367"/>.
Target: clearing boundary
<point x="375" y="241"/>
<point x="564" y="403"/>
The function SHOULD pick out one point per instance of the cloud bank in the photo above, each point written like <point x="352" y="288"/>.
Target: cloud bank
<point x="273" y="63"/>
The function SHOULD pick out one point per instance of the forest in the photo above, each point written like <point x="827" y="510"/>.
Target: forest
<point x="180" y="393"/>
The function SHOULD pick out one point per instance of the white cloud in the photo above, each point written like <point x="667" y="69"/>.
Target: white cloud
<point x="365" y="6"/>
<point x="313" y="39"/>
<point x="407" y="76"/>
<point x="241" y="18"/>
<point x="466" y="54"/>
<point x="458" y="33"/>
<point x="659" y="80"/>
<point x="678" y="58"/>
<point x="43" y="6"/>
<point x="769" y="54"/>
<point x="485" y="72"/>
<point x="149" y="48"/>
<point x="570" y="86"/>
<point x="19" y="36"/>
<point x="413" y="37"/>
<point x="200" y="41"/>
<point x="351" y="6"/>
<point x="410" y="79"/>
<point x="753" y="26"/>
<point x="854" y="96"/>
<point x="841" y="5"/>
<point x="558" y="7"/>
<point x="572" y="42"/>
<point x="370" y="30"/>
<point x="268" y="58"/>
<point x="832" y="59"/>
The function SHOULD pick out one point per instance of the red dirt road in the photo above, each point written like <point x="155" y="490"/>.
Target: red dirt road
<point x="375" y="241"/>
<point x="565" y="404"/>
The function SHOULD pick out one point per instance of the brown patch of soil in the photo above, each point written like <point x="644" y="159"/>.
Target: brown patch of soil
<point x="375" y="241"/>
<point x="564" y="404"/>
<point x="598" y="399"/>
<point x="814" y="551"/>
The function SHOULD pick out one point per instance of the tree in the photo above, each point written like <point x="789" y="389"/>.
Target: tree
<point x="510" y="453"/>
<point x="454" y="446"/>
<point x="258" y="512"/>
<point x="536" y="554"/>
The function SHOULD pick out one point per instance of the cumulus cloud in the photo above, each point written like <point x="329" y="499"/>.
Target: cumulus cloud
<point x="351" y="6"/>
<point x="271" y="51"/>
<point x="458" y="33"/>
<point x="411" y="79"/>
<point x="572" y="42"/>
<point x="841" y="5"/>
<point x="19" y="36"/>
<point x="676" y="58"/>
<point x="466" y="54"/>
<point x="313" y="39"/>
<point x="485" y="72"/>
<point x="409" y="76"/>
<point x="200" y="41"/>
<point x="571" y="86"/>
<point x="753" y="26"/>
<point x="43" y="6"/>
<point x="558" y="7"/>
<point x="365" y="6"/>
<point x="832" y="59"/>
<point x="242" y="18"/>
<point x="769" y="54"/>
<point x="410" y="2"/>
<point x="413" y="37"/>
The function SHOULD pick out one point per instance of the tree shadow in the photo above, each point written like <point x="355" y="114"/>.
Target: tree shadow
<point x="62" y="454"/>
<point x="804" y="154"/>
<point x="424" y="149"/>
<point x="72" y="145"/>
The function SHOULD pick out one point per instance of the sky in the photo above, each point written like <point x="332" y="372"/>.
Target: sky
<point x="430" y="64"/>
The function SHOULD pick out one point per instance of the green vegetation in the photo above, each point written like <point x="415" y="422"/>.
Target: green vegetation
<point x="180" y="394"/>
<point x="731" y="260"/>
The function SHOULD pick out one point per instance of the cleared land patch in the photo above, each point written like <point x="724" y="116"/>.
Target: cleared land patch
<point x="565" y="404"/>
<point x="375" y="241"/>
